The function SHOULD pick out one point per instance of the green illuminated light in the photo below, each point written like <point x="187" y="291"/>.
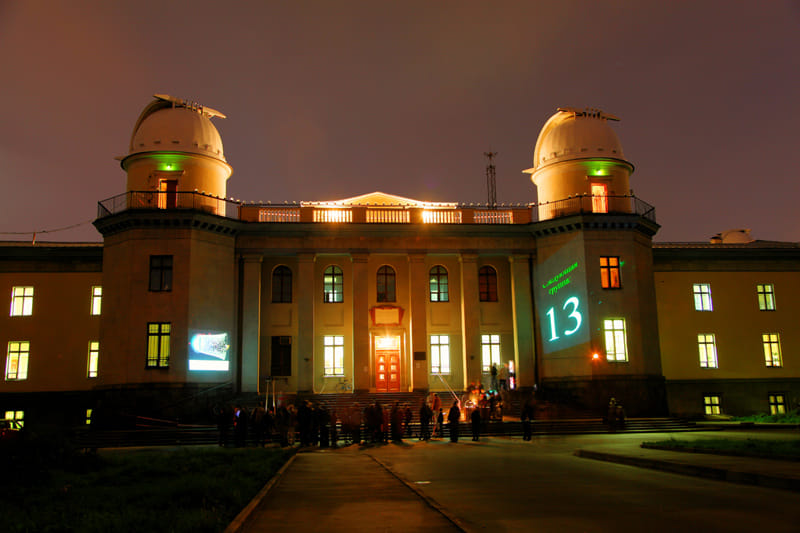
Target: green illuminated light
<point x="599" y="167"/>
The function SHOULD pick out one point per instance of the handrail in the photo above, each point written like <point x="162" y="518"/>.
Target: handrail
<point x="289" y="213"/>
<point x="447" y="386"/>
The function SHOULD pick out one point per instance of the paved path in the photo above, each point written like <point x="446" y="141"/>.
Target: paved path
<point x="340" y="491"/>
<point x="504" y="484"/>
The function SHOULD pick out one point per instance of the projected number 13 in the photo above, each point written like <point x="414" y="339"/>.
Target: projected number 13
<point x="573" y="318"/>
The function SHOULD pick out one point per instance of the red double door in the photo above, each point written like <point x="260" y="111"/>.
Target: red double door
<point x="387" y="364"/>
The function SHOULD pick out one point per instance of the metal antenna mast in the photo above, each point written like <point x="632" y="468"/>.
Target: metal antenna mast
<point x="491" y="180"/>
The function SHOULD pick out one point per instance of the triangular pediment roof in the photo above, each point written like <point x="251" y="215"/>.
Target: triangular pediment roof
<point x="378" y="198"/>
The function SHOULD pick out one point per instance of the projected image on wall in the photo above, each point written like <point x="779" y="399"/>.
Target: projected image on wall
<point x="562" y="301"/>
<point x="209" y="351"/>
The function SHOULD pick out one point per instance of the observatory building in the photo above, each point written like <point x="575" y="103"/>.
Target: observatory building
<point x="193" y="298"/>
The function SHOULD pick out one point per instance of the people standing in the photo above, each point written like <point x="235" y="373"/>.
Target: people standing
<point x="425" y="415"/>
<point x="612" y="415"/>
<point x="475" y="418"/>
<point x="454" y="417"/>
<point x="493" y="371"/>
<point x="502" y="377"/>
<point x="527" y="419"/>
<point x="438" y="429"/>
<point x="408" y="416"/>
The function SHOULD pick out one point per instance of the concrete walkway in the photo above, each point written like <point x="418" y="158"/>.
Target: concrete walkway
<point x="354" y="489"/>
<point x="332" y="491"/>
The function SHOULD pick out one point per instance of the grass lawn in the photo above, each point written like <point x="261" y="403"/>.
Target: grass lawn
<point x="184" y="489"/>
<point x="776" y="449"/>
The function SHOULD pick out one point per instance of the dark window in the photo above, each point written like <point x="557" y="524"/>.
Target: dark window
<point x="160" y="272"/>
<point x="609" y="273"/>
<point x="158" y="334"/>
<point x="333" y="285"/>
<point x="438" y="284"/>
<point x="281" y="363"/>
<point x="386" y="284"/>
<point x="487" y="284"/>
<point x="282" y="285"/>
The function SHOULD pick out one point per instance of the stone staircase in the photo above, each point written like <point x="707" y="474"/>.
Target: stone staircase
<point x="193" y="435"/>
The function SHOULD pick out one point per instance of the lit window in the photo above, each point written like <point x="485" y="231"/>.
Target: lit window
<point x="490" y="352"/>
<point x="97" y="299"/>
<point x="712" y="404"/>
<point x="17" y="416"/>
<point x="702" y="297"/>
<point x="487" y="284"/>
<point x="334" y="355"/>
<point x="440" y="354"/>
<point x="17" y="360"/>
<point x="772" y="349"/>
<point x="766" y="297"/>
<point x="21" y="301"/>
<point x="158" y="334"/>
<point x="438" y="284"/>
<point x="386" y="284"/>
<point x="599" y="197"/>
<point x="777" y="404"/>
<point x="616" y="339"/>
<point x="609" y="273"/>
<point x="282" y="285"/>
<point x="707" y="346"/>
<point x="94" y="355"/>
<point x="333" y="285"/>
<point x="160" y="273"/>
<point x="88" y="417"/>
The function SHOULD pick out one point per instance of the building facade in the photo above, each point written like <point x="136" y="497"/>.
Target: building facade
<point x="193" y="298"/>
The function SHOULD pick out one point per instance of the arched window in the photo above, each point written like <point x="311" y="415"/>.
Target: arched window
<point x="333" y="285"/>
<point x="386" y="284"/>
<point x="282" y="285"/>
<point x="487" y="284"/>
<point x="438" y="284"/>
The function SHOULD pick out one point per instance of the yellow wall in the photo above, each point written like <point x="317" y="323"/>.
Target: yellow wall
<point x="736" y="322"/>
<point x="59" y="330"/>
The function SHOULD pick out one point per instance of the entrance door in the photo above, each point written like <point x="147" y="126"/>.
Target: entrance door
<point x="387" y="364"/>
<point x="599" y="197"/>
<point x="168" y="199"/>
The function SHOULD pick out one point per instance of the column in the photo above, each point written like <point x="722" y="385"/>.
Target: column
<point x="360" y="297"/>
<point x="307" y="292"/>
<point x="418" y="298"/>
<point x="522" y="309"/>
<point x="470" y="318"/>
<point x="251" y="322"/>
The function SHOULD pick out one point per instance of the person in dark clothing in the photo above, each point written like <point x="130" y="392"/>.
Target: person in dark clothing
<point x="304" y="415"/>
<point x="425" y="415"/>
<point x="408" y="416"/>
<point x="527" y="419"/>
<point x="257" y="423"/>
<point x="354" y="423"/>
<point x="323" y="421"/>
<point x="439" y="424"/>
<point x="612" y="415"/>
<point x="396" y="418"/>
<point x="453" y="417"/>
<point x="239" y="426"/>
<point x="476" y="424"/>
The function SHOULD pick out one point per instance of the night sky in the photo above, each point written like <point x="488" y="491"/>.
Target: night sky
<point x="332" y="99"/>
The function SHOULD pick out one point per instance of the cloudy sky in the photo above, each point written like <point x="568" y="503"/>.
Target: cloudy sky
<point x="331" y="99"/>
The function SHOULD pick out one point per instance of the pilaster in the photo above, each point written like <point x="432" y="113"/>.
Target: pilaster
<point x="251" y="322"/>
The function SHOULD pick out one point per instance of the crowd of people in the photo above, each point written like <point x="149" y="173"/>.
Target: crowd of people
<point x="313" y="424"/>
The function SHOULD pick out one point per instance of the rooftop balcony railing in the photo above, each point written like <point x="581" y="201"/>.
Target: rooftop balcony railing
<point x="375" y="214"/>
